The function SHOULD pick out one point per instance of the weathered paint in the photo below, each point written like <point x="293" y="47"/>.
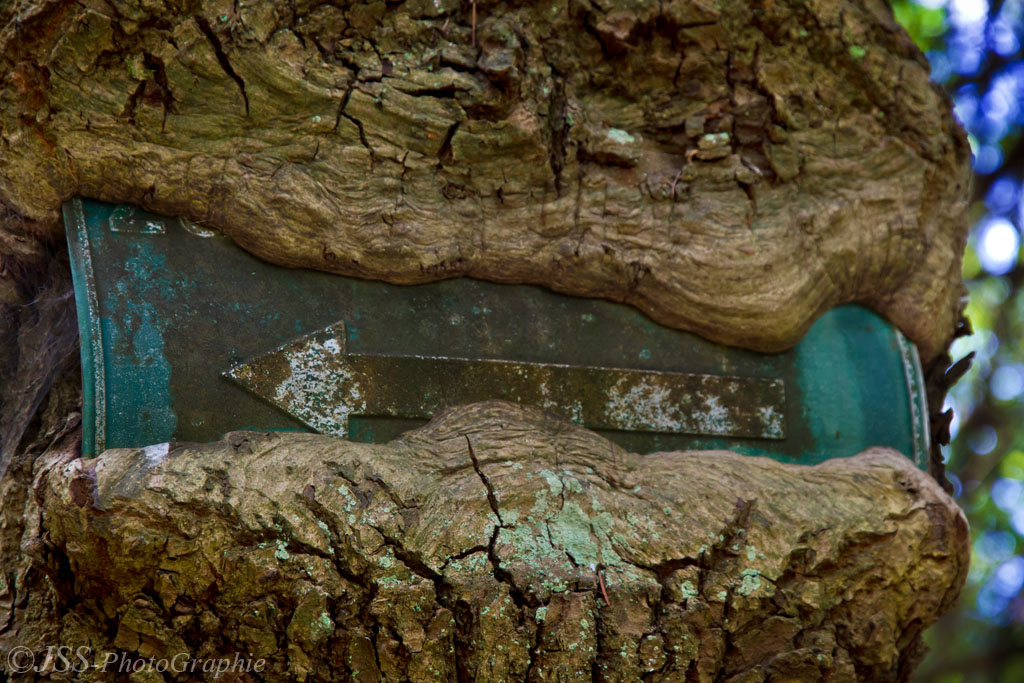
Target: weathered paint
<point x="166" y="307"/>
<point x="319" y="382"/>
<point x="94" y="383"/>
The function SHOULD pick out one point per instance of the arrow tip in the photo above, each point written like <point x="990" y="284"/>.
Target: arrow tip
<point x="302" y="377"/>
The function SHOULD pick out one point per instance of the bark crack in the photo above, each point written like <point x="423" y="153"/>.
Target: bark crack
<point x="343" y="104"/>
<point x="557" y="131"/>
<point x="222" y="57"/>
<point x="362" y="138"/>
<point x="445" y="154"/>
<point x="492" y="500"/>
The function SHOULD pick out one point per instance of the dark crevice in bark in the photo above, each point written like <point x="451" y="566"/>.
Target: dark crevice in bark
<point x="362" y="138"/>
<point x="492" y="500"/>
<point x="576" y="210"/>
<point x="726" y="538"/>
<point x="341" y="549"/>
<point x="156" y="66"/>
<point x="444" y="152"/>
<point x="558" y="131"/>
<point x="392" y="495"/>
<point x="133" y="101"/>
<point x="663" y="569"/>
<point x="463" y="555"/>
<point x="445" y="93"/>
<point x="222" y="57"/>
<point x="750" y="192"/>
<point x="343" y="104"/>
<point x="357" y="490"/>
<point x="414" y="562"/>
<point x="524" y="600"/>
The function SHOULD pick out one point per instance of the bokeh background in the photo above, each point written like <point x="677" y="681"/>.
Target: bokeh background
<point x="975" y="50"/>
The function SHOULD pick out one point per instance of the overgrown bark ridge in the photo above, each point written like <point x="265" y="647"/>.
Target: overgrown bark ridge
<point x="482" y="547"/>
<point x="734" y="169"/>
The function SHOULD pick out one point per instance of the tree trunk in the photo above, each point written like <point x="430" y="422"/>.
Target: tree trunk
<point x="733" y="169"/>
<point x="497" y="543"/>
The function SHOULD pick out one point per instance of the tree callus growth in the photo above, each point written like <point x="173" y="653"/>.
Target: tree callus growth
<point x="729" y="168"/>
<point x="502" y="544"/>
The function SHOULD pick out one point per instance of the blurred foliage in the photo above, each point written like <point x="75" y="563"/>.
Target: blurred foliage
<point x="974" y="47"/>
<point x="925" y="25"/>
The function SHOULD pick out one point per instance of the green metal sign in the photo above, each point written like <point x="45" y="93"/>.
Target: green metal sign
<point x="185" y="336"/>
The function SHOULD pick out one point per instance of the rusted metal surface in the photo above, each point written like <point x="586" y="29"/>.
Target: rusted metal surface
<point x="185" y="336"/>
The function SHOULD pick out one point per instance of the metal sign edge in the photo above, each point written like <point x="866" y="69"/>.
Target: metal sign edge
<point x="83" y="278"/>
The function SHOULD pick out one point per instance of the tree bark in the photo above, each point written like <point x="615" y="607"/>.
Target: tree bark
<point x="497" y="543"/>
<point x="732" y="168"/>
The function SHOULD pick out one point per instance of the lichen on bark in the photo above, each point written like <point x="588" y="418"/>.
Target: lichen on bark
<point x="730" y="168"/>
<point x="482" y="547"/>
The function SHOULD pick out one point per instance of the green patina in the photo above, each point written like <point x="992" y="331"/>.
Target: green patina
<point x="531" y="550"/>
<point x="141" y="315"/>
<point x="554" y="482"/>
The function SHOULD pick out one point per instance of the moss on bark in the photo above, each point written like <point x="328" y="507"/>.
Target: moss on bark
<point x="730" y="168"/>
<point x="482" y="547"/>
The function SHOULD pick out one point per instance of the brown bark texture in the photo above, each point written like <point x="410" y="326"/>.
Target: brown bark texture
<point x="730" y="168"/>
<point x="498" y="543"/>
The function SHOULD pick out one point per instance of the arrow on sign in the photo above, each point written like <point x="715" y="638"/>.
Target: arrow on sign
<point x="315" y="380"/>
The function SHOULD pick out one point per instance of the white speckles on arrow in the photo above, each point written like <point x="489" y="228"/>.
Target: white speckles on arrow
<point x="316" y="380"/>
<point x="314" y="384"/>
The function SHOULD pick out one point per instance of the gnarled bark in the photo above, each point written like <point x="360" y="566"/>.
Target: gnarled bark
<point x="483" y="547"/>
<point x="732" y="168"/>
